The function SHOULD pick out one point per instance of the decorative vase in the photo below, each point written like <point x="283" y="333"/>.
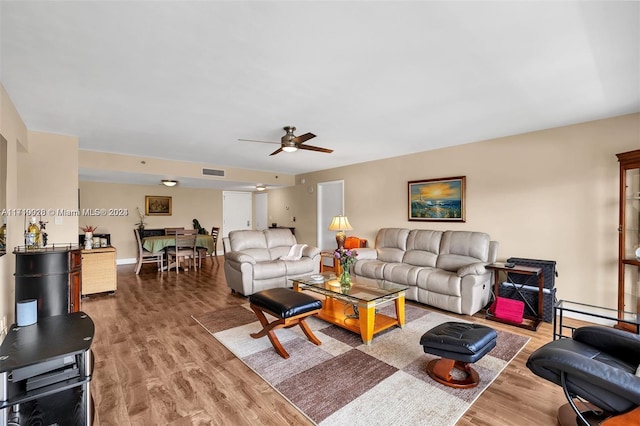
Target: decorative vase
<point x="88" y="240"/>
<point x="345" y="281"/>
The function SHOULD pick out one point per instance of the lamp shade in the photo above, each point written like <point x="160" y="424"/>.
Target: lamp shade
<point x="340" y="223"/>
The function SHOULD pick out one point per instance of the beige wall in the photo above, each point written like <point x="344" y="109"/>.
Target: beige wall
<point x="187" y="203"/>
<point x="42" y="173"/>
<point x="48" y="179"/>
<point x="14" y="131"/>
<point x="551" y="195"/>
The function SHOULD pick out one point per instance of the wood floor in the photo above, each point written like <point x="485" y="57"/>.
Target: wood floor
<point x="154" y="365"/>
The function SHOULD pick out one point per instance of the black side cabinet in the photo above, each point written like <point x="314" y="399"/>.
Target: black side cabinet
<point x="45" y="372"/>
<point x="52" y="275"/>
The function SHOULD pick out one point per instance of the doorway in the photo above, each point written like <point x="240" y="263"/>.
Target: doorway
<point x="236" y="211"/>
<point x="330" y="204"/>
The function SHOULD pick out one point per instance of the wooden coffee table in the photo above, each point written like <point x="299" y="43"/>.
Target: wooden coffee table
<point x="355" y="310"/>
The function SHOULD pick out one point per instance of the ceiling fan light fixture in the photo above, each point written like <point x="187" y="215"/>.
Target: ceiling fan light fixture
<point x="289" y="148"/>
<point x="169" y="182"/>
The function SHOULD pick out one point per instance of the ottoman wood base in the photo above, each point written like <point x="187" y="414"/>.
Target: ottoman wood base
<point x="268" y="328"/>
<point x="440" y="371"/>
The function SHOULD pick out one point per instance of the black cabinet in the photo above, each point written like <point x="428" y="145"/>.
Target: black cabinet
<point x="50" y="275"/>
<point x="45" y="372"/>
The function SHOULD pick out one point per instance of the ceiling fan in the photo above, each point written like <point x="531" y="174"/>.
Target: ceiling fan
<point x="291" y="143"/>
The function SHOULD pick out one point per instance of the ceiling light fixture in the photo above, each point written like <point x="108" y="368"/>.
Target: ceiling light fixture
<point x="169" y="182"/>
<point x="289" y="146"/>
<point x="261" y="187"/>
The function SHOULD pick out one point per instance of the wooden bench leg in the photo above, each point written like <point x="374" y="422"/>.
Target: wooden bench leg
<point x="268" y="328"/>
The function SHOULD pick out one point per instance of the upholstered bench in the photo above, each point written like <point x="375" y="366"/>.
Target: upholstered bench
<point x="459" y="344"/>
<point x="289" y="307"/>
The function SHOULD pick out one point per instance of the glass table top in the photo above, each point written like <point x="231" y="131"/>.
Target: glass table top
<point x="599" y="311"/>
<point x="328" y="283"/>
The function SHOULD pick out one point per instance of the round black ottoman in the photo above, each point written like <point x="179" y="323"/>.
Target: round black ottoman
<point x="459" y="344"/>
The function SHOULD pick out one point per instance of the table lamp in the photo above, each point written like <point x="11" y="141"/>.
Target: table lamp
<point x="340" y="223"/>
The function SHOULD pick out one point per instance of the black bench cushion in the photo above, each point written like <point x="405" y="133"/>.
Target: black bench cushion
<point x="285" y="302"/>
<point x="459" y="341"/>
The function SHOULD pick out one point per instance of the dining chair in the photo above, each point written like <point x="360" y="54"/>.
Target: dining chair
<point x="202" y="251"/>
<point x="184" y="249"/>
<point x="169" y="231"/>
<point x="145" y="256"/>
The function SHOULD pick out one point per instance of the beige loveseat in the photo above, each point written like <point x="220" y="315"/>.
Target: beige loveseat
<point x="254" y="260"/>
<point x="444" y="269"/>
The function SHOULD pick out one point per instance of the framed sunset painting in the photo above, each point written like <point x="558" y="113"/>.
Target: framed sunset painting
<point x="437" y="200"/>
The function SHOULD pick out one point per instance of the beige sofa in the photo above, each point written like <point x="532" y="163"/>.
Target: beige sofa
<point x="444" y="269"/>
<point x="253" y="260"/>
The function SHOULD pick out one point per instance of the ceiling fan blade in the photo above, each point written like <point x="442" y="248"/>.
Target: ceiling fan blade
<point x="277" y="151"/>
<point x="303" y="138"/>
<point x="315" y="148"/>
<point x="254" y="140"/>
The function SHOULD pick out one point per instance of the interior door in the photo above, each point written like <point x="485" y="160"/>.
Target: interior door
<point x="330" y="204"/>
<point x="260" y="208"/>
<point x="236" y="211"/>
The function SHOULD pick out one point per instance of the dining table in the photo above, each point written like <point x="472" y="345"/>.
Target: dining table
<point x="158" y="243"/>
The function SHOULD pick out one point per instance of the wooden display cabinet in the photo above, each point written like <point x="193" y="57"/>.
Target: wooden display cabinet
<point x="629" y="234"/>
<point x="99" y="270"/>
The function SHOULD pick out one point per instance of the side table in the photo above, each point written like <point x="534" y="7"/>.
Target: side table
<point x="630" y="320"/>
<point x="45" y="371"/>
<point x="330" y="255"/>
<point x="529" y="322"/>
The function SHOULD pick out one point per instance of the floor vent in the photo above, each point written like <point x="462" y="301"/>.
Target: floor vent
<point x="212" y="172"/>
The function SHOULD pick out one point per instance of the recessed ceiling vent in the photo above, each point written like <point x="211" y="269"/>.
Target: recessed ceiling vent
<point x="212" y="172"/>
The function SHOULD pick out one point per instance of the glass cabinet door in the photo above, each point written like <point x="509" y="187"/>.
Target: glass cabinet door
<point x="629" y="233"/>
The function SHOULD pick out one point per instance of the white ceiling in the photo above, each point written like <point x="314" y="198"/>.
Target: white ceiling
<point x="185" y="80"/>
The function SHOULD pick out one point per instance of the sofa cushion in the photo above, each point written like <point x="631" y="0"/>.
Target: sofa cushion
<point x="460" y="248"/>
<point x="444" y="282"/>
<point x="405" y="274"/>
<point x="265" y="270"/>
<point x="303" y="266"/>
<point x="279" y="242"/>
<point x="279" y="238"/>
<point x="369" y="268"/>
<point x="252" y="243"/>
<point x="422" y="247"/>
<point x="391" y="243"/>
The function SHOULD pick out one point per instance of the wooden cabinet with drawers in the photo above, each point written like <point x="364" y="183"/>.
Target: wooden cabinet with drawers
<point x="99" y="270"/>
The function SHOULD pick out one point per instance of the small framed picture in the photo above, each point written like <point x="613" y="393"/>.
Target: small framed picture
<point x="157" y="205"/>
<point x="437" y="200"/>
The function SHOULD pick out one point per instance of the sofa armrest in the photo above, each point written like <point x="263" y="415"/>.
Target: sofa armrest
<point x="368" y="253"/>
<point x="472" y="269"/>
<point x="310" y="251"/>
<point x="240" y="257"/>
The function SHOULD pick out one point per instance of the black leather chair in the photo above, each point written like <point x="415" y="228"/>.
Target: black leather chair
<point x="597" y="365"/>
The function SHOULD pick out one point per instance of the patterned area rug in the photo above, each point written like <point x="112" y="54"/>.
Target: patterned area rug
<point x="344" y="381"/>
